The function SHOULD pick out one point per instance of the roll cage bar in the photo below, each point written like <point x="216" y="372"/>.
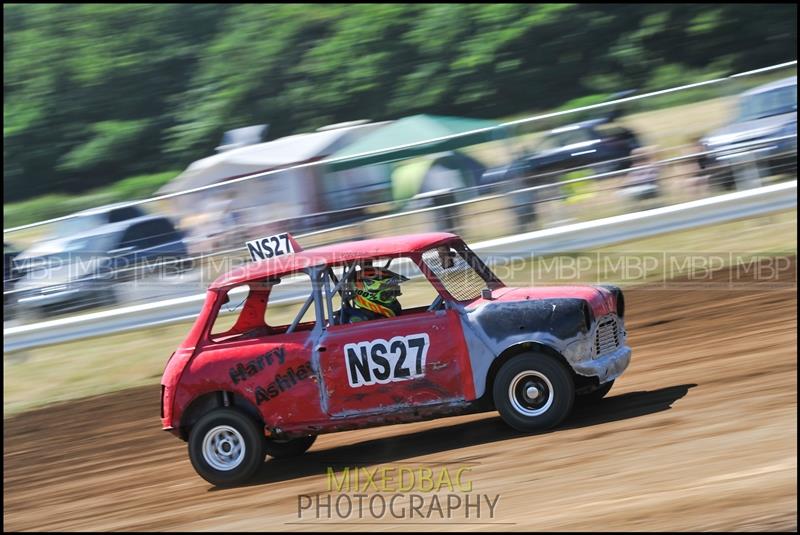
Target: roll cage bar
<point x="325" y="285"/>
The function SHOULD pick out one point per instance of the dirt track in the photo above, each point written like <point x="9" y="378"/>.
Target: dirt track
<point x="699" y="434"/>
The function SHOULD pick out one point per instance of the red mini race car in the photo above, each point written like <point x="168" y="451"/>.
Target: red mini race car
<point x="249" y="384"/>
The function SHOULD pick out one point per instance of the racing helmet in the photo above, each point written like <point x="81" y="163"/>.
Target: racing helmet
<point x="376" y="289"/>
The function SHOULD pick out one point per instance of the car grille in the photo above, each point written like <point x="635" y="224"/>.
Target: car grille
<point x="608" y="336"/>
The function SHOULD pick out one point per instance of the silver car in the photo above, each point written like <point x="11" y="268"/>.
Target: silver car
<point x="760" y="141"/>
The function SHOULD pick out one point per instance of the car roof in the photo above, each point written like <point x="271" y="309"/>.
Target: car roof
<point x="107" y="208"/>
<point x="110" y="228"/>
<point x="590" y="123"/>
<point x="333" y="254"/>
<point x="107" y="228"/>
<point x="785" y="82"/>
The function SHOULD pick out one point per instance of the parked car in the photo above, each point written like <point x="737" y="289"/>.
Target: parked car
<point x="95" y="217"/>
<point x="82" y="269"/>
<point x="763" y="130"/>
<point x="10" y="274"/>
<point x="237" y="393"/>
<point x="78" y="223"/>
<point x="599" y="144"/>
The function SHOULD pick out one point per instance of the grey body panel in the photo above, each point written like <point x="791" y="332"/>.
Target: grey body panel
<point x="560" y="324"/>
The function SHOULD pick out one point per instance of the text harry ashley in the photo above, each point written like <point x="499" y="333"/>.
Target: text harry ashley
<point x="281" y="383"/>
<point x="242" y="372"/>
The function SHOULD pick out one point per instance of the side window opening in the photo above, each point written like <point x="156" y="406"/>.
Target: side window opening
<point x="163" y="232"/>
<point x="286" y="301"/>
<point x="231" y="315"/>
<point x="579" y="135"/>
<point x="410" y="293"/>
<point x="147" y="234"/>
<point x="549" y="142"/>
<point x="418" y="292"/>
<point x="133" y="236"/>
<point x="242" y="314"/>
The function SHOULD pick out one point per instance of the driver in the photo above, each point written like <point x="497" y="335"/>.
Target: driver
<point x="375" y="293"/>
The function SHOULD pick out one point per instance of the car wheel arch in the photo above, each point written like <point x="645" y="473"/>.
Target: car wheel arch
<point x="205" y="403"/>
<point x="518" y="349"/>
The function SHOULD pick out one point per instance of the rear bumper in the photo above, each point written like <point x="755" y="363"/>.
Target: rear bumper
<point x="769" y="153"/>
<point x="63" y="300"/>
<point x="62" y="297"/>
<point x="605" y="367"/>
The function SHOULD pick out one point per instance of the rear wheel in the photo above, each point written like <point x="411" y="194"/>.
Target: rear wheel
<point x="226" y="447"/>
<point x="108" y="297"/>
<point x="533" y="391"/>
<point x="724" y="180"/>
<point x="282" y="449"/>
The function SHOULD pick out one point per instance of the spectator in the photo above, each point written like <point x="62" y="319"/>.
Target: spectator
<point x="697" y="182"/>
<point x="222" y="225"/>
<point x="642" y="182"/>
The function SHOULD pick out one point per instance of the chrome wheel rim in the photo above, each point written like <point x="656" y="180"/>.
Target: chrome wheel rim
<point x="223" y="448"/>
<point x="531" y="393"/>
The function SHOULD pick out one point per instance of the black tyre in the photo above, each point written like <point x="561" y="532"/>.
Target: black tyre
<point x="226" y="447"/>
<point x="724" y="180"/>
<point x="533" y="391"/>
<point x="31" y="314"/>
<point x="108" y="297"/>
<point x="282" y="449"/>
<point x="594" y="396"/>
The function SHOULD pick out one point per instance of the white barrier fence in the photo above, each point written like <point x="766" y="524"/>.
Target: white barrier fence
<point x="565" y="238"/>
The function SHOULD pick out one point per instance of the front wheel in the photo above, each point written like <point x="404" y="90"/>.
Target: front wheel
<point x="226" y="447"/>
<point x="533" y="391"/>
<point x="282" y="449"/>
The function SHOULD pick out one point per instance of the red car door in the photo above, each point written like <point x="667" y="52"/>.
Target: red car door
<point x="273" y="372"/>
<point x="418" y="358"/>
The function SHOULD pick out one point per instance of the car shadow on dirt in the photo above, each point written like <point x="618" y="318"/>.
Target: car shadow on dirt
<point x="452" y="437"/>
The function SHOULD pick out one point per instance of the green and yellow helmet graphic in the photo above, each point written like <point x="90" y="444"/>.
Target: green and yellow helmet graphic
<point x="375" y="288"/>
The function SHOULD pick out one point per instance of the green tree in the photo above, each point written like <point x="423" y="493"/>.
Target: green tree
<point x="94" y="93"/>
